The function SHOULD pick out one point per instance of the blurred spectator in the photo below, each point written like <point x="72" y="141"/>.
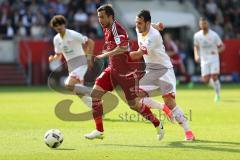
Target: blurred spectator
<point x="26" y="18"/>
<point x="10" y="31"/>
<point x="176" y="59"/>
<point x="218" y="29"/>
<point x="223" y="15"/>
<point x="211" y="10"/>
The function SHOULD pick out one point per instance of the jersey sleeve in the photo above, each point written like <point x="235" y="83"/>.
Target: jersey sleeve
<point x="57" y="48"/>
<point x="195" y="40"/>
<point x="119" y="34"/>
<point x="218" y="40"/>
<point x="81" y="38"/>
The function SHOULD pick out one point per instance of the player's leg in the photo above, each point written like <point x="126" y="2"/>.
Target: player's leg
<point x="205" y="73"/>
<point x="147" y="89"/>
<point x="74" y="83"/>
<point x="179" y="116"/>
<point x="97" y="111"/>
<point x="145" y="111"/>
<point x="216" y="86"/>
<point x="153" y="104"/>
<point x="102" y="84"/>
<point x="130" y="89"/>
<point x="167" y="84"/>
<point x="215" y="70"/>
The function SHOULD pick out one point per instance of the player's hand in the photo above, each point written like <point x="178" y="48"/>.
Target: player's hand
<point x="50" y="58"/>
<point x="160" y="26"/>
<point x="101" y="56"/>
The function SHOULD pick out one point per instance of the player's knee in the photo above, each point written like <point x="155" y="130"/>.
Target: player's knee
<point x="214" y="77"/>
<point x="170" y="102"/>
<point x="206" y="79"/>
<point x="68" y="86"/>
<point x="133" y="105"/>
<point x="95" y="94"/>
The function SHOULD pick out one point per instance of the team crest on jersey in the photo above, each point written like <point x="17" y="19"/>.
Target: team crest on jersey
<point x="117" y="40"/>
<point x="149" y="42"/>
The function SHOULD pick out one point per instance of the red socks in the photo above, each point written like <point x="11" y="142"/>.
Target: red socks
<point x="97" y="111"/>
<point x="146" y="113"/>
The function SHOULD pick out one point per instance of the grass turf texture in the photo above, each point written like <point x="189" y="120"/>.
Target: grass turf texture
<point x="27" y="113"/>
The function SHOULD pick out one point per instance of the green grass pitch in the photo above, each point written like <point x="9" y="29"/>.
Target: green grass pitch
<point x="27" y="113"/>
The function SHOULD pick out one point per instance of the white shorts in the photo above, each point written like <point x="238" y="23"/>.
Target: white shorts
<point x="163" y="80"/>
<point x="210" y="68"/>
<point x="77" y="73"/>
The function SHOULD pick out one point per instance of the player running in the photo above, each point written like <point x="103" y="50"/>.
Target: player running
<point x="116" y="74"/>
<point x="207" y="46"/>
<point x="69" y="44"/>
<point x="159" y="70"/>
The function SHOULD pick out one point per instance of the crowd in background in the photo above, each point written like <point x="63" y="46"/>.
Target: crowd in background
<point x="224" y="16"/>
<point x="30" y="18"/>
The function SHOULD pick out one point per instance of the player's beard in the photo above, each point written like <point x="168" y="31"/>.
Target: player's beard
<point x="143" y="30"/>
<point x="108" y="25"/>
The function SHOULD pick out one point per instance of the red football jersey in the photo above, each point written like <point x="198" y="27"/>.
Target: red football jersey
<point x="115" y="36"/>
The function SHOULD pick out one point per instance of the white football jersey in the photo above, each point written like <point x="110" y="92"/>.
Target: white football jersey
<point x="70" y="45"/>
<point x="208" y="46"/>
<point x="156" y="57"/>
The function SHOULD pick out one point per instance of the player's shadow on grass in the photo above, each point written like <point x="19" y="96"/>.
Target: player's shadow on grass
<point x="231" y="100"/>
<point x="65" y="149"/>
<point x="222" y="146"/>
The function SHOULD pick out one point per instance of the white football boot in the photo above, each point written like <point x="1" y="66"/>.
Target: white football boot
<point x="95" y="134"/>
<point x="160" y="131"/>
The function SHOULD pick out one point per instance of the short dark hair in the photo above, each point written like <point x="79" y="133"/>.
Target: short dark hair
<point x="145" y="14"/>
<point x="203" y="19"/>
<point x="58" y="20"/>
<point x="108" y="9"/>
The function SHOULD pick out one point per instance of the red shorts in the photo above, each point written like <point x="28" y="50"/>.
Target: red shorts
<point x="109" y="79"/>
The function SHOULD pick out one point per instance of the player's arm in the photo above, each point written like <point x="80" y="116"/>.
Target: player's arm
<point x="58" y="51"/>
<point x="196" y="54"/>
<point x="117" y="50"/>
<point x="138" y="54"/>
<point x="56" y="56"/>
<point x="221" y="48"/>
<point x="196" y="48"/>
<point x="88" y="50"/>
<point x="220" y="44"/>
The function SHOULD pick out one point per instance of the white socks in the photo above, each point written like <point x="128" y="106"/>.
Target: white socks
<point x="87" y="100"/>
<point x="179" y="116"/>
<point x="151" y="103"/>
<point x="216" y="85"/>
<point x="81" y="89"/>
<point x="84" y="94"/>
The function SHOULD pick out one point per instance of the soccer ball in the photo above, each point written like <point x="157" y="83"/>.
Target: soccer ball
<point x="53" y="138"/>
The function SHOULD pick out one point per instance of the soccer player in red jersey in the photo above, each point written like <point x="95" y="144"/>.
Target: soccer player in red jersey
<point x="116" y="74"/>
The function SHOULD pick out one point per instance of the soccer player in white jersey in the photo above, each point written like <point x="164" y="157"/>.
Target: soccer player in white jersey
<point x="207" y="46"/>
<point x="159" y="70"/>
<point x="69" y="44"/>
